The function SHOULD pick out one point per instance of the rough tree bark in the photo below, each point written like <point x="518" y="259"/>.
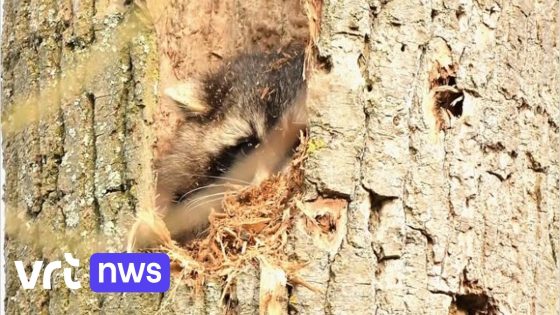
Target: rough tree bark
<point x="464" y="220"/>
<point x="75" y="175"/>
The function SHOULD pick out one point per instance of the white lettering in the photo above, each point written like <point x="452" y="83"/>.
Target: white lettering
<point x="113" y="270"/>
<point x="32" y="281"/>
<point x="131" y="272"/>
<point x="47" y="274"/>
<point x="71" y="284"/>
<point x="155" y="275"/>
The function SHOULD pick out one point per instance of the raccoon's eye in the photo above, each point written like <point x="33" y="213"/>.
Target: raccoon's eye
<point x="244" y="147"/>
<point x="225" y="160"/>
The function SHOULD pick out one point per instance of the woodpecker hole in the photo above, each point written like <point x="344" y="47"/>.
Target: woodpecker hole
<point x="445" y="98"/>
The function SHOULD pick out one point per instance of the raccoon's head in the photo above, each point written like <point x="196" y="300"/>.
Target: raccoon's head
<point x="242" y="122"/>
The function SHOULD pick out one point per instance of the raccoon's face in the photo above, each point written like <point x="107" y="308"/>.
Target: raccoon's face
<point x="242" y="123"/>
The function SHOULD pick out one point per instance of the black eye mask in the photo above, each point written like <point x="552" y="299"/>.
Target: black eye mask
<point x="224" y="161"/>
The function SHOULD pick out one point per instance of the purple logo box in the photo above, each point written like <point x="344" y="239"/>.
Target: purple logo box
<point x="129" y="272"/>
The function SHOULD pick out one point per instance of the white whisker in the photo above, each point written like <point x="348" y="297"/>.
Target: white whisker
<point x="204" y="202"/>
<point x="192" y="203"/>
<point x="221" y="177"/>
<point x="183" y="197"/>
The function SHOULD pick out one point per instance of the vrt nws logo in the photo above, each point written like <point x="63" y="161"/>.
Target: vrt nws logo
<point x="30" y="282"/>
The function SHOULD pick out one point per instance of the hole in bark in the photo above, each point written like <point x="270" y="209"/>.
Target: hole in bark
<point x="433" y="14"/>
<point x="403" y="47"/>
<point x="450" y="99"/>
<point x="326" y="222"/>
<point x="259" y="212"/>
<point x="472" y="304"/>
<point x="325" y="63"/>
<point x="445" y="99"/>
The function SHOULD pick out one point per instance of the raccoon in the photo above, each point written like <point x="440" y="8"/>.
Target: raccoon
<point x="242" y="122"/>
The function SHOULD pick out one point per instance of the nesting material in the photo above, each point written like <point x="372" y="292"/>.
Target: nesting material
<point x="252" y="228"/>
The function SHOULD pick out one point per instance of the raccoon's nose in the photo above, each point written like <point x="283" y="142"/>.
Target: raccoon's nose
<point x="262" y="172"/>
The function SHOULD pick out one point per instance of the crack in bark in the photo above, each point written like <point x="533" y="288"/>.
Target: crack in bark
<point x="93" y="135"/>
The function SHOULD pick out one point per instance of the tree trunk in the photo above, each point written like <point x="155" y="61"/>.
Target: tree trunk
<point x="75" y="159"/>
<point x="434" y="149"/>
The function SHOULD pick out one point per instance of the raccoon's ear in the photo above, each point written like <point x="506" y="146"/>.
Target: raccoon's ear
<point x="188" y="96"/>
